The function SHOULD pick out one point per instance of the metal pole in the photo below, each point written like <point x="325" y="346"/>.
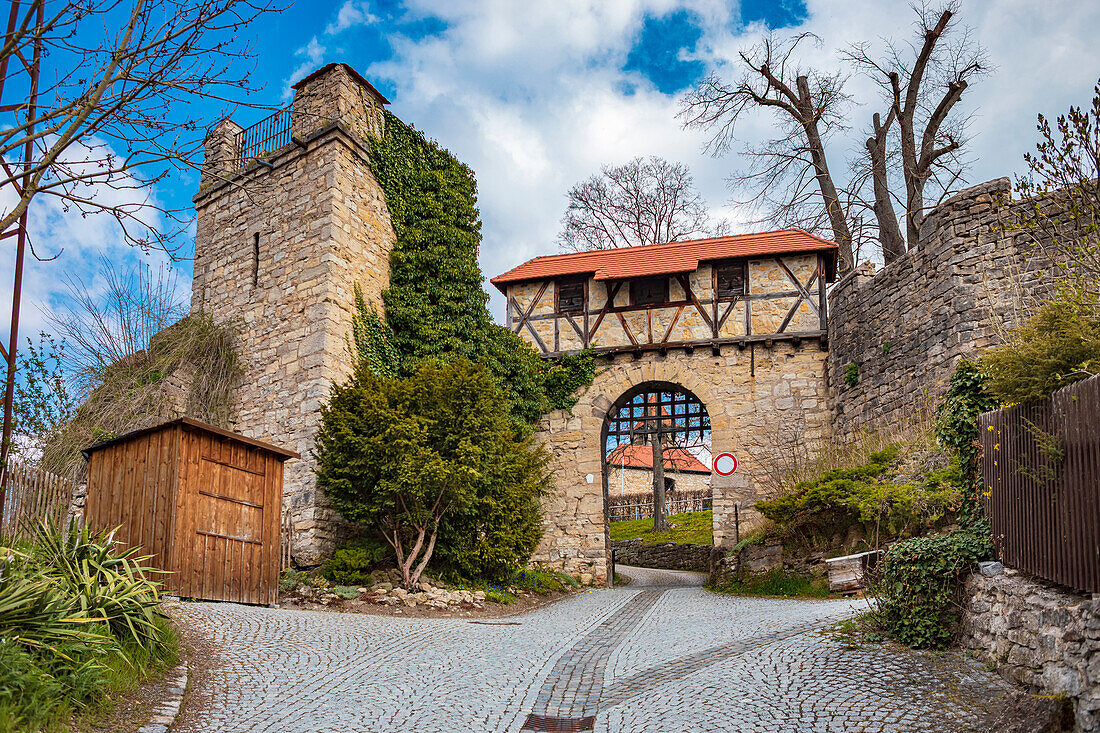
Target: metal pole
<point x="21" y="242"/>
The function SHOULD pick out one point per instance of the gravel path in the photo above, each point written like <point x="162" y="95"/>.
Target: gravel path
<point x="661" y="654"/>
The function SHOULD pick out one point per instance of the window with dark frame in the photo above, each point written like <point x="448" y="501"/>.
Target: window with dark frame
<point x="649" y="291"/>
<point x="570" y="296"/>
<point x="732" y="279"/>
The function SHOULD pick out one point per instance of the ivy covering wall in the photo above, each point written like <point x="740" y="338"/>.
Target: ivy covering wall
<point x="435" y="305"/>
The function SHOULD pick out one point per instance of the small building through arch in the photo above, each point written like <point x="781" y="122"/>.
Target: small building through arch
<point x="649" y="420"/>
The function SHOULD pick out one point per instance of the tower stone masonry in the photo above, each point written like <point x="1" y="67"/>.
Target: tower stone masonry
<point x="290" y="219"/>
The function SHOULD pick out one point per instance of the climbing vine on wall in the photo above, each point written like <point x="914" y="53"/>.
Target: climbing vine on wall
<point x="435" y="305"/>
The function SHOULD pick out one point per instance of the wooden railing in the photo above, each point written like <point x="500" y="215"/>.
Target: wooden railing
<point x="640" y="505"/>
<point x="1041" y="474"/>
<point x="34" y="495"/>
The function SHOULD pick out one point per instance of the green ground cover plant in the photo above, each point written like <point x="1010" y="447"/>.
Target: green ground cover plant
<point x="688" y="528"/>
<point x="80" y="623"/>
<point x="776" y="583"/>
<point x="867" y="495"/>
<point x="917" y="592"/>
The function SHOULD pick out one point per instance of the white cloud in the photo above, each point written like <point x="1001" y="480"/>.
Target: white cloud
<point x="313" y="53"/>
<point x="533" y="98"/>
<point x="351" y="13"/>
<point x="79" y="242"/>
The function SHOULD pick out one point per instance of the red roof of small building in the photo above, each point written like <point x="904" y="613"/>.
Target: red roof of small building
<point x="669" y="258"/>
<point x="630" y="455"/>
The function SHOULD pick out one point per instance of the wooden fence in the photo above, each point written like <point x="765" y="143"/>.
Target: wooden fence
<point x="34" y="495"/>
<point x="640" y="505"/>
<point x="1041" y="473"/>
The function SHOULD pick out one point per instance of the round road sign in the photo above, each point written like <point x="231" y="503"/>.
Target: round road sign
<point x="725" y="464"/>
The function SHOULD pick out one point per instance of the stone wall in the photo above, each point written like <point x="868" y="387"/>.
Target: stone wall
<point x="906" y="326"/>
<point x="667" y="555"/>
<point x="629" y="481"/>
<point x="752" y="395"/>
<point x="279" y="247"/>
<point x="1038" y="635"/>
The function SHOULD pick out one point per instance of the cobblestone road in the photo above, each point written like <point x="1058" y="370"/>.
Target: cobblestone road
<point x="659" y="655"/>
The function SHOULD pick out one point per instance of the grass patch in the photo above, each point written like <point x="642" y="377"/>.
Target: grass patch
<point x="776" y="584"/>
<point x="689" y="528"/>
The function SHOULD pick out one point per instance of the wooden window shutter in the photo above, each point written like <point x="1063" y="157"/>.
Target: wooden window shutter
<point x="732" y="279"/>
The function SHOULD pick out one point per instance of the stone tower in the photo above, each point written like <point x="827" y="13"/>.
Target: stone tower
<point x="290" y="219"/>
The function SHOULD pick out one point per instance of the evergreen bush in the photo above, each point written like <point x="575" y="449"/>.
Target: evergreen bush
<point x="1058" y="345"/>
<point x="435" y="465"/>
<point x="353" y="561"/>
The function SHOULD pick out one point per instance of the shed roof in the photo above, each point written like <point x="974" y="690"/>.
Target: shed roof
<point x="668" y="258"/>
<point x="192" y="424"/>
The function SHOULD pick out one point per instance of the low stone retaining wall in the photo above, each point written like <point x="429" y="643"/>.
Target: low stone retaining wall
<point x="1038" y="635"/>
<point x="666" y="555"/>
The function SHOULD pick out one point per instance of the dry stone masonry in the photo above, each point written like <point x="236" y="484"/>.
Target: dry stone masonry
<point x="281" y="244"/>
<point x="899" y="332"/>
<point x="1038" y="635"/>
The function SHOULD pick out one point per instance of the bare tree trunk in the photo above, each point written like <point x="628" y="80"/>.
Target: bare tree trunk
<point x="660" y="518"/>
<point x="842" y="234"/>
<point x="889" y="233"/>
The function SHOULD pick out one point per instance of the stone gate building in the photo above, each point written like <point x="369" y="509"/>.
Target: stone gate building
<point x="290" y="219"/>
<point x="739" y="322"/>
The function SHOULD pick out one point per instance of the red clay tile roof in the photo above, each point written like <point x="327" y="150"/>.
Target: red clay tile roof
<point x="629" y="455"/>
<point x="666" y="259"/>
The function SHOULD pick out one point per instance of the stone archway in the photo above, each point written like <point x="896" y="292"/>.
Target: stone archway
<point x="575" y="538"/>
<point x="647" y="419"/>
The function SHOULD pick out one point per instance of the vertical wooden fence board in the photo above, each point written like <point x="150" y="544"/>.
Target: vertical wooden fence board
<point x="1041" y="469"/>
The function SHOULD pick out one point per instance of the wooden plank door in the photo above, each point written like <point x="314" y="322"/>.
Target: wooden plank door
<point x="223" y="537"/>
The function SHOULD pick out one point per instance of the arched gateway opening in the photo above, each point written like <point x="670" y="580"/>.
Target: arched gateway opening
<point x="655" y="455"/>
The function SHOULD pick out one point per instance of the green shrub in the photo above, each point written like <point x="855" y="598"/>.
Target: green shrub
<point x="434" y="464"/>
<point x="863" y="494"/>
<point x="79" y="623"/>
<point x="918" y="591"/>
<point x="353" y="561"/>
<point x="1058" y="345"/>
<point x="105" y="584"/>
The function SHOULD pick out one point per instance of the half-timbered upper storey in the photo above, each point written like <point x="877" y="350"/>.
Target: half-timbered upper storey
<point x="738" y="289"/>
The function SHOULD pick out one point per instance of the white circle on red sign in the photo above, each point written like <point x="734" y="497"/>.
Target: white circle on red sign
<point x="725" y="464"/>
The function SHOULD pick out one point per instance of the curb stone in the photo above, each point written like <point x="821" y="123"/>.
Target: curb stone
<point x="165" y="713"/>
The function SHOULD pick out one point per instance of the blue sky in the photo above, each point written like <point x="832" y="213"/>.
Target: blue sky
<point x="537" y="96"/>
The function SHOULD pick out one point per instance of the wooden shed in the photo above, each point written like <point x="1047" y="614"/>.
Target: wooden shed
<point x="205" y="502"/>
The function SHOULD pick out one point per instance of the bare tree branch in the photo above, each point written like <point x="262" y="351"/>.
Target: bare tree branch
<point x="115" y="106"/>
<point x="644" y="201"/>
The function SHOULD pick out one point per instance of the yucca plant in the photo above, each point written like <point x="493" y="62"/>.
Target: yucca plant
<point x="34" y="612"/>
<point x="104" y="584"/>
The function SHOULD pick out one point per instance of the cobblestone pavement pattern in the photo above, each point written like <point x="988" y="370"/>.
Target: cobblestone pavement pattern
<point x="659" y="655"/>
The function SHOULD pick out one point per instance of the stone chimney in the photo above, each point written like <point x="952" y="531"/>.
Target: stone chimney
<point x="336" y="93"/>
<point x="221" y="152"/>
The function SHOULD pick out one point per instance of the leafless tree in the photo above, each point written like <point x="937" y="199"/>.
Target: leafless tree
<point x="115" y="104"/>
<point x="644" y="201"/>
<point x="102" y="326"/>
<point x="920" y="94"/>
<point x="916" y="144"/>
<point x="790" y="172"/>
